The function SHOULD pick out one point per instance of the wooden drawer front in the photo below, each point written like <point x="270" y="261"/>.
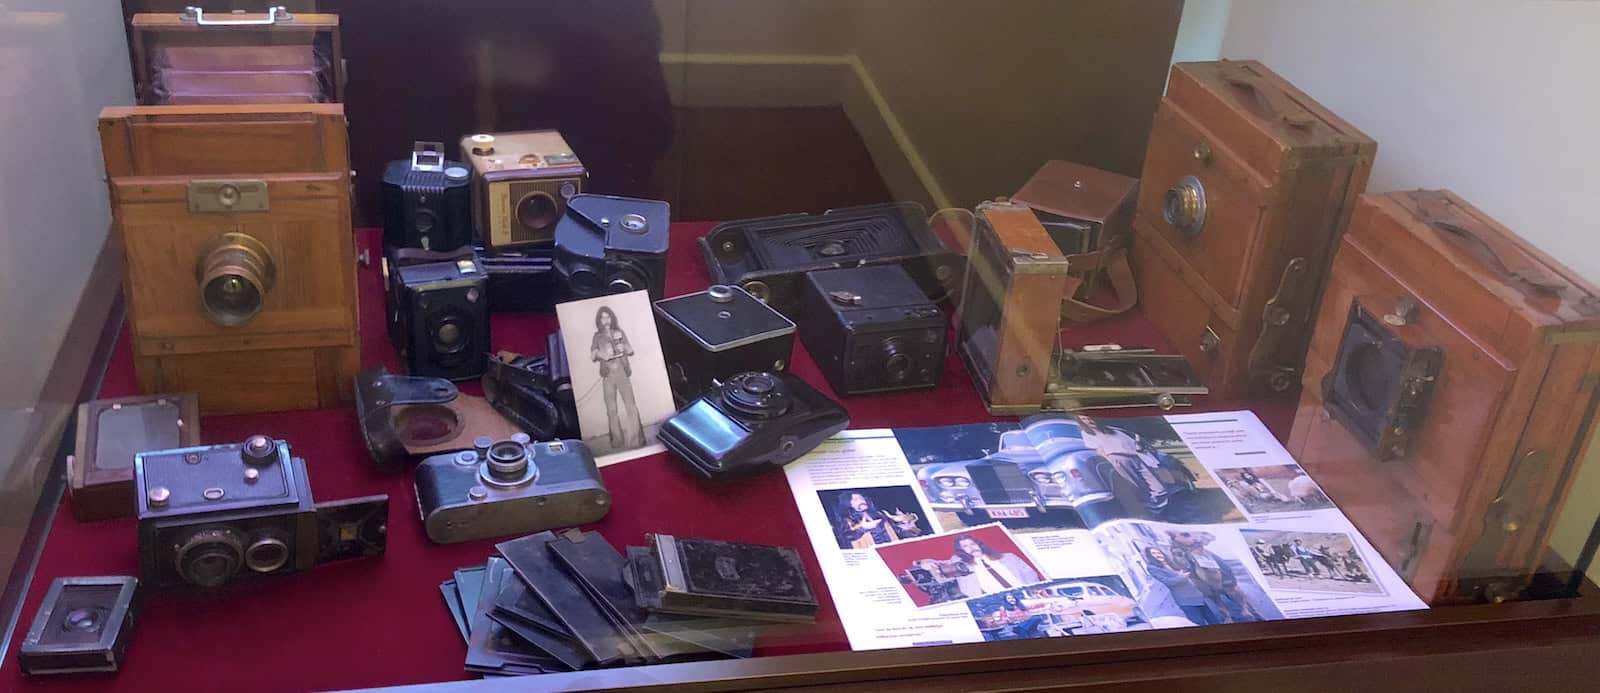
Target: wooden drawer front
<point x="309" y="239"/>
<point x="254" y="381"/>
<point x="1224" y="249"/>
<point x="1183" y="317"/>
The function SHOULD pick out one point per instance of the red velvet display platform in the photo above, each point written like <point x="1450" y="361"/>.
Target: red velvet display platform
<point x="382" y="621"/>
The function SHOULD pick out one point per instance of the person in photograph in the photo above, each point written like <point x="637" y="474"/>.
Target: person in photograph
<point x="1308" y="559"/>
<point x="862" y="524"/>
<point x="1212" y="575"/>
<point x="1184" y="592"/>
<point x="991" y="571"/>
<point x="1267" y="557"/>
<point x="610" y="351"/>
<point x="1125" y="453"/>
<point x="1262" y="490"/>
<point x="1018" y="624"/>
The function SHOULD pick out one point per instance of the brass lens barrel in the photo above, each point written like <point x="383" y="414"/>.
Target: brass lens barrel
<point x="1185" y="205"/>
<point x="235" y="273"/>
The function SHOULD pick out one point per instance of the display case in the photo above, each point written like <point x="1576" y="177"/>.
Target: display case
<point x="1051" y="498"/>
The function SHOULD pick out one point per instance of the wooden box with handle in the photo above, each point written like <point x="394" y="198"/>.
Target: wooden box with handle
<point x="240" y="264"/>
<point x="1449" y="392"/>
<point x="1246" y="185"/>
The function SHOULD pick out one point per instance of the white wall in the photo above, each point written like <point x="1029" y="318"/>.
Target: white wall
<point x="1498" y="101"/>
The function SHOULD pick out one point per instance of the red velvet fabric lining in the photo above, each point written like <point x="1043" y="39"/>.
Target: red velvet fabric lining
<point x="382" y="622"/>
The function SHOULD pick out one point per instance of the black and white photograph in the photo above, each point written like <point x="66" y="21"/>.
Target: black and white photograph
<point x="1073" y="606"/>
<point x="1183" y="577"/>
<point x="866" y="517"/>
<point x="619" y="376"/>
<point x="1311" y="561"/>
<point x="1278" y="488"/>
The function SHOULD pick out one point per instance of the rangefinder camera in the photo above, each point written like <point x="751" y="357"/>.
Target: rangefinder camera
<point x="212" y="514"/>
<point x="511" y="486"/>
<point x="521" y="182"/>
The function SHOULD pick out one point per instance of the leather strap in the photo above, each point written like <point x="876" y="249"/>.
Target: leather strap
<point x="1276" y="103"/>
<point x="1503" y="258"/>
<point x="1113" y="263"/>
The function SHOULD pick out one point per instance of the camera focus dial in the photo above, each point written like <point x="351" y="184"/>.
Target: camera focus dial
<point x="759" y="395"/>
<point x="508" y="463"/>
<point x="210" y="557"/>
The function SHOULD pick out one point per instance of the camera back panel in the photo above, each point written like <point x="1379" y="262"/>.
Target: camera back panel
<point x="872" y="329"/>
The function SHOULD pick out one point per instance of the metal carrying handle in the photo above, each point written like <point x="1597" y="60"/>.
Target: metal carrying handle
<point x="274" y="15"/>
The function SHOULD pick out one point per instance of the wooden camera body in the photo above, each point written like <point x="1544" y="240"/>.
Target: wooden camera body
<point x="1247" y="184"/>
<point x="239" y="257"/>
<point x="1449" y="392"/>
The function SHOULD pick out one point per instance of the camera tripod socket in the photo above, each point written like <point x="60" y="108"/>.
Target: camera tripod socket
<point x="235" y="273"/>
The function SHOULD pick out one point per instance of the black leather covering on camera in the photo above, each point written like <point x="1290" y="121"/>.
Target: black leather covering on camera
<point x="750" y="423"/>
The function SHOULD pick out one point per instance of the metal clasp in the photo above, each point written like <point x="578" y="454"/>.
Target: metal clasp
<point x="1282" y="313"/>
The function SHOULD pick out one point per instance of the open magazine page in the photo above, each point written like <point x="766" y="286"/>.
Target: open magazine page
<point x="1069" y="526"/>
<point x="893" y="562"/>
<point x="1288" y="552"/>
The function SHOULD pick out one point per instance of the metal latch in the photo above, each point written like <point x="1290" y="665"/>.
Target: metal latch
<point x="1506" y="514"/>
<point x="1279" y="318"/>
<point x="228" y="196"/>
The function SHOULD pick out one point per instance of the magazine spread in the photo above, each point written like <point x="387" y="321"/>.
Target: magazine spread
<point x="1067" y="525"/>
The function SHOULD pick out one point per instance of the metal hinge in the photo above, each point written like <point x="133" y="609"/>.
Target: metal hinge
<point x="1279" y="320"/>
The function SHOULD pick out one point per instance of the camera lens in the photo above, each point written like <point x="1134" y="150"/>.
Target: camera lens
<point x="210" y="557"/>
<point x="266" y="554"/>
<point x="626" y="276"/>
<point x="235" y="274"/>
<point x="425" y="221"/>
<point x="760" y="395"/>
<point x="896" y="362"/>
<point x="508" y="460"/>
<point x="86" y="619"/>
<point x="537" y="211"/>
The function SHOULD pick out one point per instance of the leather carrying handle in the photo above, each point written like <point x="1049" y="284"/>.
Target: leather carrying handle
<point x="1500" y="257"/>
<point x="1274" y="101"/>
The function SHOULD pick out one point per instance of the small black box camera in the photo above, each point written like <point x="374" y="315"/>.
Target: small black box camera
<point x="871" y="329"/>
<point x="509" y="487"/>
<point x="82" y="626"/>
<point x="713" y="335"/>
<point x="612" y="245"/>
<point x="750" y="423"/>
<point x="426" y="201"/>
<point x="438" y="312"/>
<point x="211" y="514"/>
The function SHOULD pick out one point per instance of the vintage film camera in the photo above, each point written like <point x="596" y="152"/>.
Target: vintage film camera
<point x="438" y="311"/>
<point x="82" y="626"/>
<point x="534" y="392"/>
<point x="612" y="245"/>
<point x="110" y="433"/>
<point x="521" y="182"/>
<point x="770" y="256"/>
<point x="427" y="201"/>
<point x="1009" y="326"/>
<point x="750" y="423"/>
<point x="1450" y="393"/>
<point x="1247" y="185"/>
<point x="511" y="486"/>
<point x="522" y="280"/>
<point x="713" y="335"/>
<point x="215" y="513"/>
<point x="936" y="578"/>
<point x="871" y="329"/>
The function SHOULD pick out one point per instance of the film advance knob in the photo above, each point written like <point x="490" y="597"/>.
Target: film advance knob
<point x="258" y="450"/>
<point x="720" y="293"/>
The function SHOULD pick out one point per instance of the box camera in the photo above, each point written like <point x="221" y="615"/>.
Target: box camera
<point x="427" y="201"/>
<point x="510" y="486"/>
<point x="215" y="513"/>
<point x="871" y="329"/>
<point x="769" y="256"/>
<point x="83" y="626"/>
<point x="612" y="245"/>
<point x="439" y="311"/>
<point x="713" y="335"/>
<point x="520" y="185"/>
<point x="752" y="422"/>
